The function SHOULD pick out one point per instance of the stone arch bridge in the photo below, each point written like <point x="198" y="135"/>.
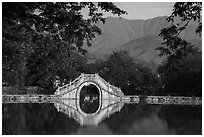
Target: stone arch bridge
<point x="109" y="99"/>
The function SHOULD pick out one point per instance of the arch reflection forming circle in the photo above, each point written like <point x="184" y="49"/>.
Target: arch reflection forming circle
<point x="81" y="95"/>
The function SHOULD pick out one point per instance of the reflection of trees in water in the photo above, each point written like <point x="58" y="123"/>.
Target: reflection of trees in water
<point x="121" y="122"/>
<point x="176" y="119"/>
<point x="36" y="119"/>
<point x="183" y="119"/>
<point x="44" y="119"/>
<point x="13" y="122"/>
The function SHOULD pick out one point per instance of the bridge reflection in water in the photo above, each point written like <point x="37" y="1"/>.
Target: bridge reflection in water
<point x="66" y="106"/>
<point x="89" y="99"/>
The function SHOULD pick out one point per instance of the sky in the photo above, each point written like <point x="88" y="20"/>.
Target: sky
<point x="144" y="10"/>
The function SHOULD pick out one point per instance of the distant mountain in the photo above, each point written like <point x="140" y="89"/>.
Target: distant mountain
<point x="138" y="37"/>
<point x="144" y="48"/>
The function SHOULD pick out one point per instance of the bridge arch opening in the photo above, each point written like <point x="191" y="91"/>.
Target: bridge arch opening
<point x="89" y="98"/>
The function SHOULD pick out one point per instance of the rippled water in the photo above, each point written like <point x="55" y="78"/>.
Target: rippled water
<point x="132" y="119"/>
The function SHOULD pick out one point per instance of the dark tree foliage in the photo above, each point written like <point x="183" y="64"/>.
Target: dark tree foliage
<point x="173" y="44"/>
<point x="187" y="11"/>
<point x="184" y="77"/>
<point x="62" y="20"/>
<point x="178" y="75"/>
<point x="42" y="41"/>
<point x="123" y="71"/>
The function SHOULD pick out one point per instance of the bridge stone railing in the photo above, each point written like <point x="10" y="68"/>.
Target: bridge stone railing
<point x="176" y="100"/>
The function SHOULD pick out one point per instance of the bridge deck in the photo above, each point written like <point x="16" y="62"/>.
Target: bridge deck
<point x="37" y="98"/>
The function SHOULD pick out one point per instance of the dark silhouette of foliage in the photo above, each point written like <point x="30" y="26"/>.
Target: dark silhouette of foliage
<point x="177" y="74"/>
<point x="173" y="44"/>
<point x="123" y="71"/>
<point x="42" y="41"/>
<point x="62" y="20"/>
<point x="187" y="11"/>
<point x="184" y="77"/>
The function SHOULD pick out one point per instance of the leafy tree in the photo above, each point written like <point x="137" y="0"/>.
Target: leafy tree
<point x="175" y="47"/>
<point x="63" y="20"/>
<point x="183" y="78"/>
<point x="177" y="74"/>
<point x="47" y="38"/>
<point x="187" y="11"/>
<point x="122" y="71"/>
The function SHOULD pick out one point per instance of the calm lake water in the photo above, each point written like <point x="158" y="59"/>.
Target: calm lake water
<point x="132" y="119"/>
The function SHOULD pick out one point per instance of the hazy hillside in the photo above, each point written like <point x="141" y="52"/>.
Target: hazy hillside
<point x="139" y="37"/>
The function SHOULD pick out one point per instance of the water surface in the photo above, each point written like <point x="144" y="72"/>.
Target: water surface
<point x="133" y="119"/>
